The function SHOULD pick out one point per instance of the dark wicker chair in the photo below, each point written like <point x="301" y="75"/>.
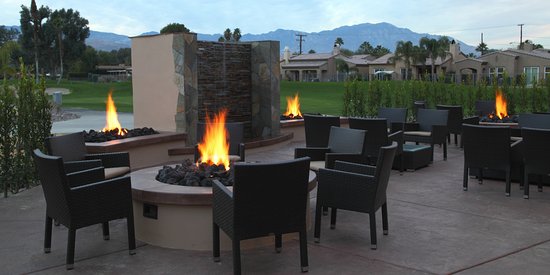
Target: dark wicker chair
<point x="344" y="144"/>
<point x="396" y="117"/>
<point x="236" y="139"/>
<point x="536" y="160"/>
<point x="356" y="187"/>
<point x="484" y="107"/>
<point x="418" y="104"/>
<point x="72" y="149"/>
<point x="430" y="127"/>
<point x="81" y="199"/>
<point x="540" y="121"/>
<point x="454" y="121"/>
<point x="487" y="147"/>
<point x="377" y="136"/>
<point x="317" y="129"/>
<point x="267" y="198"/>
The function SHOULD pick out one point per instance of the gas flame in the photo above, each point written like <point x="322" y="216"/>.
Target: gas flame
<point x="293" y="107"/>
<point x="214" y="148"/>
<point x="111" y="116"/>
<point x="500" y="105"/>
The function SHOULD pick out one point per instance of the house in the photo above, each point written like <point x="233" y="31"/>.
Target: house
<point x="310" y="67"/>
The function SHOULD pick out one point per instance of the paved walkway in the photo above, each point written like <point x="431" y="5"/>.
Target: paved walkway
<point x="434" y="228"/>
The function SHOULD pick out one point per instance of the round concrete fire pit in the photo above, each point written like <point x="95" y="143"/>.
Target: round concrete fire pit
<point x="179" y="217"/>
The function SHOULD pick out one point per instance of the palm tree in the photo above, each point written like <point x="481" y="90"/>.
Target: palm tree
<point x="435" y="48"/>
<point x="227" y="35"/>
<point x="482" y="48"/>
<point x="339" y="41"/>
<point x="404" y="51"/>
<point x="237" y="34"/>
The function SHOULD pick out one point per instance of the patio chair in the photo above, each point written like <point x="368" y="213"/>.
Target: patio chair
<point x="236" y="139"/>
<point x="484" y="107"/>
<point x="343" y="144"/>
<point x="72" y="149"/>
<point x="536" y="160"/>
<point x="418" y="104"/>
<point x="81" y="199"/>
<point x="539" y="120"/>
<point x="430" y="127"/>
<point x="396" y="117"/>
<point x="317" y="129"/>
<point x="356" y="187"/>
<point x="377" y="136"/>
<point x="488" y="147"/>
<point x="267" y="198"/>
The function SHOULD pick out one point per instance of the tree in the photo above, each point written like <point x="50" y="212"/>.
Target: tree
<point x="174" y="28"/>
<point x="221" y="39"/>
<point x="236" y="35"/>
<point x="435" y="48"/>
<point x="7" y="35"/>
<point x="380" y="51"/>
<point x="405" y="52"/>
<point x="339" y="41"/>
<point x="364" y="48"/>
<point x="346" y="52"/>
<point x="341" y="67"/>
<point x="482" y="48"/>
<point x="32" y="39"/>
<point x="6" y="60"/>
<point x="311" y="51"/>
<point x="227" y="35"/>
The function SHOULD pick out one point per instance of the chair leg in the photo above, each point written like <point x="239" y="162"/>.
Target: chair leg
<point x="444" y="151"/>
<point x="215" y="242"/>
<point x="508" y="183"/>
<point x="105" y="227"/>
<point x="526" y="185"/>
<point x="372" y="218"/>
<point x="325" y="211"/>
<point x="456" y="139"/>
<point x="278" y="242"/>
<point x="465" y="178"/>
<point x="131" y="233"/>
<point x="70" y="248"/>
<point x="480" y="179"/>
<point x="385" y="218"/>
<point x="303" y="251"/>
<point x="333" y="218"/>
<point x="539" y="183"/>
<point x="317" y="229"/>
<point x="236" y="256"/>
<point x="432" y="157"/>
<point x="48" y="235"/>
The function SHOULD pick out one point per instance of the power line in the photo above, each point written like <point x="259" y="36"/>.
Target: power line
<point x="301" y="39"/>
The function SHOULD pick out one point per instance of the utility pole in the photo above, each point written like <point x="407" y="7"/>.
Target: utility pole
<point x="520" y="36"/>
<point x="301" y="39"/>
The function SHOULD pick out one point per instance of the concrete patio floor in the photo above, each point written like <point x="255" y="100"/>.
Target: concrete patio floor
<point x="434" y="228"/>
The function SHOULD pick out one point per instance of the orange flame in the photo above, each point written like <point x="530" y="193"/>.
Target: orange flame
<point x="500" y="105"/>
<point x="214" y="148"/>
<point x="293" y="106"/>
<point x="111" y="122"/>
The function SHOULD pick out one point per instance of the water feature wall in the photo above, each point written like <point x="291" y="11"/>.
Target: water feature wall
<point x="177" y="79"/>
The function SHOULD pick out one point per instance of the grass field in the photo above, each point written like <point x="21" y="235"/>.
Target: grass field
<point x="315" y="97"/>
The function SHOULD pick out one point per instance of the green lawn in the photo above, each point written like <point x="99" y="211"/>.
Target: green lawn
<point x="315" y="97"/>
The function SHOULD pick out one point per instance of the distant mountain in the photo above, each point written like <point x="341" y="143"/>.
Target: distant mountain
<point x="384" y="34"/>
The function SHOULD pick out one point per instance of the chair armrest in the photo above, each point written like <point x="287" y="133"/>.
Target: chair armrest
<point x="338" y="186"/>
<point x="222" y="207"/>
<point x="79" y="165"/>
<point x="398" y="138"/>
<point x="315" y="153"/>
<point x="330" y="158"/>
<point x="439" y="133"/>
<point x="105" y="200"/>
<point x="473" y="120"/>
<point x="397" y="126"/>
<point x="84" y="177"/>
<point x="355" y="168"/>
<point x="411" y="126"/>
<point x="115" y="159"/>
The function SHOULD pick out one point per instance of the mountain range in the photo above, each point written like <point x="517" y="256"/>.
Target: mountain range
<point x="383" y="34"/>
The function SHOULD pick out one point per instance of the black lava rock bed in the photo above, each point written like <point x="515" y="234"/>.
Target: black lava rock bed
<point x="99" y="136"/>
<point x="189" y="174"/>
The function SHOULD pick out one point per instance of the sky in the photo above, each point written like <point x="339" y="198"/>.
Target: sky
<point x="464" y="20"/>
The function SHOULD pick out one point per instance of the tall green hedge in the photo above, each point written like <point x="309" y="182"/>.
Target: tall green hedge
<point x="377" y="93"/>
<point x="25" y="121"/>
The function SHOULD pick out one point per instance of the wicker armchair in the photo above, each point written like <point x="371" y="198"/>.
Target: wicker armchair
<point x="488" y="147"/>
<point x="484" y="107"/>
<point x="377" y="136"/>
<point x="430" y="127"/>
<point x="81" y="199"/>
<point x="540" y="121"/>
<point x="317" y="129"/>
<point x="267" y="198"/>
<point x="343" y="144"/>
<point x="72" y="149"/>
<point x="535" y="149"/>
<point x="396" y="117"/>
<point x="356" y="187"/>
<point x="236" y="139"/>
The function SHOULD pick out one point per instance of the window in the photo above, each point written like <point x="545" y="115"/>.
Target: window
<point x="496" y="72"/>
<point x="531" y="75"/>
<point x="546" y="72"/>
<point x="406" y="74"/>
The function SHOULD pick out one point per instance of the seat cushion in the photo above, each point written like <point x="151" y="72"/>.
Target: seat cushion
<point x="418" y="133"/>
<point x="315" y="165"/>
<point x="114" y="172"/>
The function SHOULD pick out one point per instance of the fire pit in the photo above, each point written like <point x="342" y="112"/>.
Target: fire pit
<point x="191" y="174"/>
<point x="500" y="115"/>
<point x="292" y="108"/>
